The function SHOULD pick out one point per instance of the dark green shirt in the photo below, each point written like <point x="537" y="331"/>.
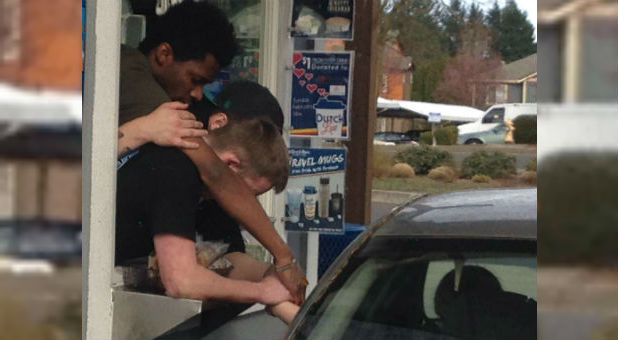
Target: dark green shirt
<point x="140" y="93"/>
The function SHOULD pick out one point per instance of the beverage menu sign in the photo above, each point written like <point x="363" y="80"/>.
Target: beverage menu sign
<point x="314" y="194"/>
<point x="323" y="19"/>
<point x="320" y="94"/>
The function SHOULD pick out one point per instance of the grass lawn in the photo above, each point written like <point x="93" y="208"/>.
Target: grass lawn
<point x="426" y="185"/>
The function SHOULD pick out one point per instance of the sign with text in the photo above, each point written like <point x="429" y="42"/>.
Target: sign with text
<point x="323" y="19"/>
<point x="314" y="194"/>
<point x="434" y="117"/>
<point x="320" y="94"/>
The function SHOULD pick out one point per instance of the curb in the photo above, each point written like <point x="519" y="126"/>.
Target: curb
<point x="392" y="197"/>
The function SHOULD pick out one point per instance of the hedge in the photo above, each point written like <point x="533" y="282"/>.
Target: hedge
<point x="445" y="135"/>
<point x="424" y="158"/>
<point x="525" y="129"/>
<point x="493" y="164"/>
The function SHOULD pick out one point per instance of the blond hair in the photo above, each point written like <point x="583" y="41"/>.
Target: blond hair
<point x="259" y="147"/>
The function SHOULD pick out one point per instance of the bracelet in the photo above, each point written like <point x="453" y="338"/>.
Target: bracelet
<point x="285" y="266"/>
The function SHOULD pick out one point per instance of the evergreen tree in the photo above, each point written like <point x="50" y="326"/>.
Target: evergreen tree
<point x="516" y="38"/>
<point x="453" y="20"/>
<point x="475" y="36"/>
<point x="475" y="15"/>
<point x="493" y="21"/>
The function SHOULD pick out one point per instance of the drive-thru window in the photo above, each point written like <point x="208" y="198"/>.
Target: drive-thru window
<point x="317" y="61"/>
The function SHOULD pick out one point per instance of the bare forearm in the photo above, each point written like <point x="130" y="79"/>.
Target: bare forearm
<point x="237" y="200"/>
<point x="130" y="137"/>
<point x="202" y="284"/>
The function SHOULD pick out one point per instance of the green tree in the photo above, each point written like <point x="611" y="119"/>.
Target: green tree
<point x="494" y="22"/>
<point x="516" y="33"/>
<point x="512" y="34"/>
<point x="453" y="20"/>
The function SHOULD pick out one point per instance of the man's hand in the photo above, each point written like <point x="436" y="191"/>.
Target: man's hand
<point x="169" y="123"/>
<point x="294" y="280"/>
<point x="272" y="292"/>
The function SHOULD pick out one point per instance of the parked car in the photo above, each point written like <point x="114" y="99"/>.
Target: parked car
<point x="393" y="137"/>
<point x="492" y="127"/>
<point x="460" y="265"/>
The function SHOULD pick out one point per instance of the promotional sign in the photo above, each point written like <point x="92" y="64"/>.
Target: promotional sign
<point x="320" y="94"/>
<point x="434" y="117"/>
<point x="320" y="19"/>
<point x="314" y="195"/>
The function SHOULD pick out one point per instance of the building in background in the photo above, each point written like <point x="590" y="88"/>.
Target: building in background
<point x="40" y="43"/>
<point x="579" y="49"/>
<point x="515" y="83"/>
<point x="40" y="110"/>
<point x="396" y="81"/>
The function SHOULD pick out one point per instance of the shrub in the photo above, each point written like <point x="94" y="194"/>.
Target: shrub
<point x="425" y="138"/>
<point x="577" y="215"/>
<point x="481" y="178"/>
<point x="531" y="166"/>
<point x="493" y="164"/>
<point x="525" y="129"/>
<point x="442" y="174"/>
<point x="424" y="158"/>
<point x="402" y="170"/>
<point x="382" y="163"/>
<point x="445" y="135"/>
<point x="529" y="177"/>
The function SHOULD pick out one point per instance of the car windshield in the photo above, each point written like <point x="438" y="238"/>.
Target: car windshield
<point x="430" y="289"/>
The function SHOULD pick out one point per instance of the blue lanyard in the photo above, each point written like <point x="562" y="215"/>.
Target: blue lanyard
<point x="125" y="158"/>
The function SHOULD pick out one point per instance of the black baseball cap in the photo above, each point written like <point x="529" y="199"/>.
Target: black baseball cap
<point x="245" y="99"/>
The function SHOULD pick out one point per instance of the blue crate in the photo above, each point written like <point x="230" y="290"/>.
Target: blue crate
<point x="331" y="245"/>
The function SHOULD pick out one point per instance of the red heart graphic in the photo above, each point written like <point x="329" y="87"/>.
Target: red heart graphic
<point x="296" y="57"/>
<point x="311" y="87"/>
<point x="308" y="76"/>
<point x="254" y="70"/>
<point x="256" y="55"/>
<point x="299" y="72"/>
<point x="302" y="82"/>
<point x="321" y="91"/>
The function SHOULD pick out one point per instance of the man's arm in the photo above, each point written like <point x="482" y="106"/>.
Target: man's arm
<point x="164" y="126"/>
<point x="182" y="277"/>
<point x="239" y="202"/>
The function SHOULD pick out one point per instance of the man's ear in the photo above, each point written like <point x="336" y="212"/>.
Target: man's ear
<point x="217" y="120"/>
<point x="163" y="54"/>
<point x="231" y="160"/>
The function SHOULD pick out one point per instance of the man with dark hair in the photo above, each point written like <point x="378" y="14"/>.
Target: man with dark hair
<point x="150" y="78"/>
<point x="184" y="50"/>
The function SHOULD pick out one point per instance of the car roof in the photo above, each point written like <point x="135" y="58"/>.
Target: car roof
<point x="488" y="213"/>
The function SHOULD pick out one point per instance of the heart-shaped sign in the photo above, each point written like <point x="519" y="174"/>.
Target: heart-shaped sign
<point x="322" y="92"/>
<point x="254" y="71"/>
<point x="296" y="57"/>
<point x="298" y="72"/>
<point x="302" y="82"/>
<point x="309" y="76"/>
<point x="311" y="87"/>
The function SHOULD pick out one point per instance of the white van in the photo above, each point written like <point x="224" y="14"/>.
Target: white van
<point x="491" y="128"/>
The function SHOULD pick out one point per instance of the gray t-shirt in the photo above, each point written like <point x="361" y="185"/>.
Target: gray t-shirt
<point x="140" y="93"/>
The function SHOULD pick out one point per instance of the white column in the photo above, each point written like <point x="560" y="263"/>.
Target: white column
<point x="571" y="59"/>
<point x="313" y="249"/>
<point x="99" y="143"/>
